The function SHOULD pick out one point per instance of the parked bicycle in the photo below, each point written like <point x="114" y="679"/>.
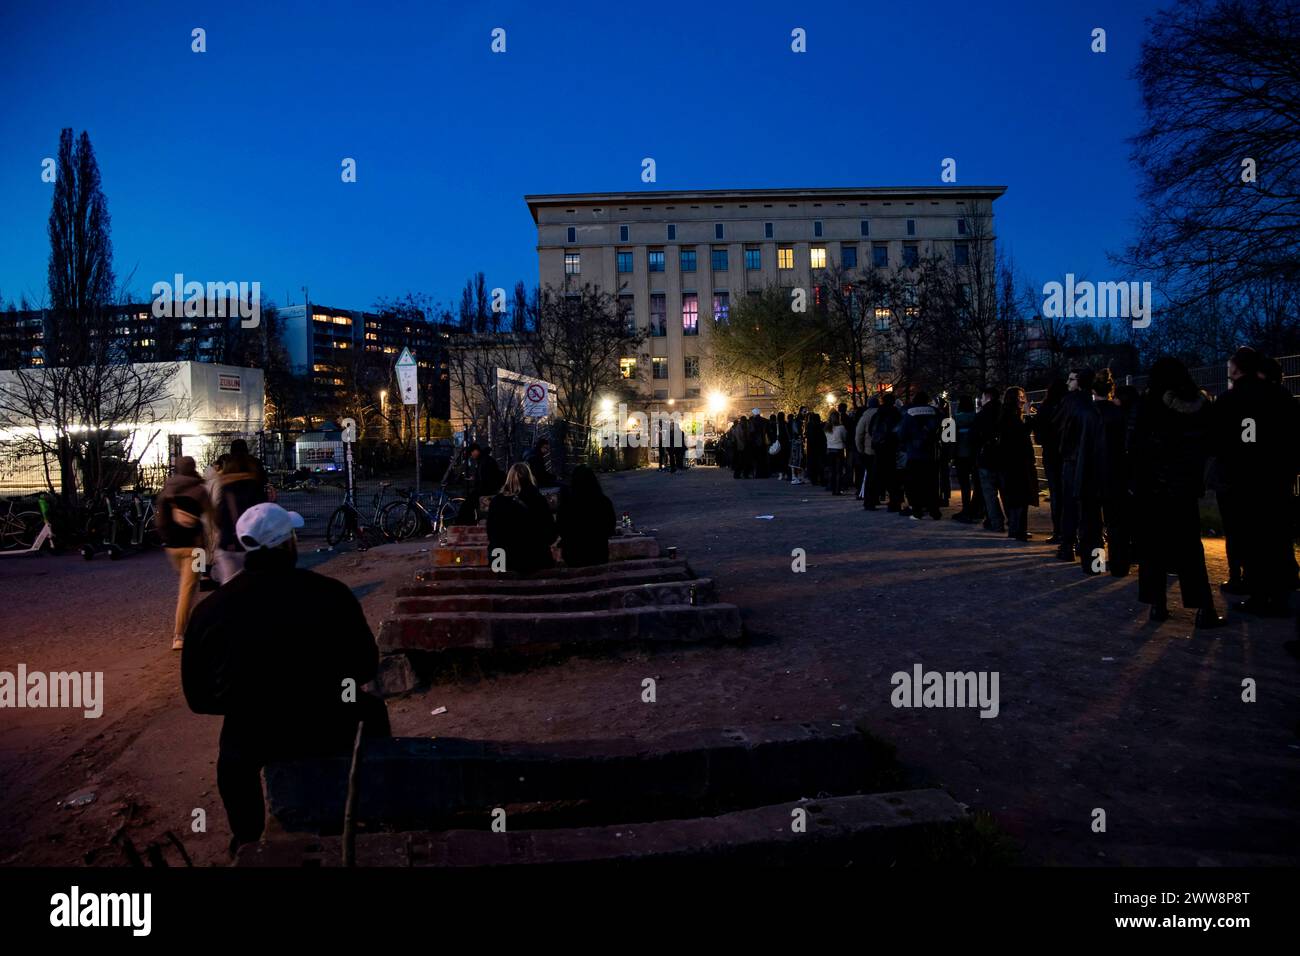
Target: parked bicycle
<point x="418" y="514"/>
<point x="347" y="523"/>
<point x="123" y="521"/>
<point x="20" y="523"/>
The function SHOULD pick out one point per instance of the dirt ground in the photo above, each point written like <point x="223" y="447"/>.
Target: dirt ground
<point x="1099" y="708"/>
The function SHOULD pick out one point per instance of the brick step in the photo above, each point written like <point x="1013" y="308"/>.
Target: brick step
<point x="694" y="591"/>
<point x="415" y="783"/>
<point x="470" y="554"/>
<point x="908" y="827"/>
<point x="506" y="584"/>
<point x="504" y="631"/>
<point x="441" y="574"/>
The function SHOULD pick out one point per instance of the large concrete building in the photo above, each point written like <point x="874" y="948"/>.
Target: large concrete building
<point x="675" y="258"/>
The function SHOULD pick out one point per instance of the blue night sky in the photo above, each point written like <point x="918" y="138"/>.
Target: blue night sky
<point x="225" y="165"/>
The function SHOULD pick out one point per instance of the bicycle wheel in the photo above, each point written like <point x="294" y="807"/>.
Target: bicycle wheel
<point x="18" y="531"/>
<point x="406" y="521"/>
<point x="389" y="518"/>
<point x="449" y="512"/>
<point x="341" y="525"/>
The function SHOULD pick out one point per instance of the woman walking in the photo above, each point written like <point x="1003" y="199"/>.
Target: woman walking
<point x="182" y="506"/>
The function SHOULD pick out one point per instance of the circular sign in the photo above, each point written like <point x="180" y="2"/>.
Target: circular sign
<point x="535" y="393"/>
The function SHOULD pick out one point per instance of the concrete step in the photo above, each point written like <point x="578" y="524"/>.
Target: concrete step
<point x="503" y="631"/>
<point x="909" y="827"/>
<point x="417" y="783"/>
<point x="505" y="584"/>
<point x="456" y="574"/>
<point x="471" y="553"/>
<point x="695" y="591"/>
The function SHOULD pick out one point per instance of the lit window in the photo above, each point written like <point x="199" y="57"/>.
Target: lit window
<point x="341" y="320"/>
<point x="691" y="366"/>
<point x="882" y="320"/>
<point x="572" y="263"/>
<point x="660" y="365"/>
<point x="785" y="257"/>
<point x="317" y="317"/>
<point x="721" y="306"/>
<point x="656" y="260"/>
<point x="690" y="313"/>
<point x="817" y="257"/>
<point x="627" y="367"/>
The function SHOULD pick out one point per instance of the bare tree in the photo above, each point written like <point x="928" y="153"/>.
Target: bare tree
<point x="767" y="342"/>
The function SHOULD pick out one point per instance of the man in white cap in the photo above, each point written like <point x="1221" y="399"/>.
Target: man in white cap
<point x="281" y="652"/>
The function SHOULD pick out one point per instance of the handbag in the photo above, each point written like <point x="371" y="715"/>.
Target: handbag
<point x="775" y="449"/>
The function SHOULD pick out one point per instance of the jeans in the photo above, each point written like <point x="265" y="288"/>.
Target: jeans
<point x="989" y="482"/>
<point x="835" y="468"/>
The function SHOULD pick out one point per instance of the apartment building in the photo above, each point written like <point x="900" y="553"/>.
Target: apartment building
<point x="679" y="260"/>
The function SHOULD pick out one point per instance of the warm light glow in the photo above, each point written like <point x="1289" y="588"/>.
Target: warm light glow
<point x="717" y="403"/>
<point x="672" y="401"/>
<point x="830" y="398"/>
<point x="607" y="406"/>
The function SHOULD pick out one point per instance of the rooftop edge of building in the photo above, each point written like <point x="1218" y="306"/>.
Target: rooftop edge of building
<point x="536" y="200"/>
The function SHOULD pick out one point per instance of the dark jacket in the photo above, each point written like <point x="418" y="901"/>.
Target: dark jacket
<point x="1047" y="432"/>
<point x="1075" y="409"/>
<point x="1016" y="463"/>
<point x="1170" y="445"/>
<point x="270" y="650"/>
<point x="884" y="432"/>
<point x="585" y="529"/>
<point x="918" y="434"/>
<point x="237" y="492"/>
<point x="486" y="476"/>
<point x="986" y="436"/>
<point x="1266" y="466"/>
<point x="188" y="495"/>
<point x="1101" y="470"/>
<point x="524" y="528"/>
<point x="965" y="423"/>
<point x="536" y="463"/>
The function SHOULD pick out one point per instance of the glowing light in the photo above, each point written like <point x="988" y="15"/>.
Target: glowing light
<point x="830" y="398"/>
<point x="717" y="403"/>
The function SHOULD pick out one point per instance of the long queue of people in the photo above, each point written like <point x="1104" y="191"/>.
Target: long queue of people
<point x="1126" y="471"/>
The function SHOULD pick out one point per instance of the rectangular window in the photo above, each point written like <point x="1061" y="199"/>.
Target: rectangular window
<point x="692" y="393"/>
<point x="627" y="308"/>
<point x="658" y="314"/>
<point x="661" y="393"/>
<point x="817" y="228"/>
<point x="849" y="256"/>
<point x="961" y="227"/>
<point x="865" y="227"/>
<point x="880" y="255"/>
<point x="625" y="260"/>
<point x="911" y="227"/>
<point x="572" y="235"/>
<point x="753" y="258"/>
<point x="884" y="362"/>
<point x="622" y="233"/>
<point x="717" y="230"/>
<point x="961" y="254"/>
<point x="817" y="257"/>
<point x="660" y="366"/>
<point x="572" y="263"/>
<point x="721" y="305"/>
<point x="691" y="366"/>
<point x="688" y="260"/>
<point x="719" y="259"/>
<point x="767" y="230"/>
<point x="672" y="232"/>
<point x="627" y="367"/>
<point x="655" y="259"/>
<point x="785" y="257"/>
<point x="882" y="320"/>
<point x="911" y="255"/>
<point x="690" y="313"/>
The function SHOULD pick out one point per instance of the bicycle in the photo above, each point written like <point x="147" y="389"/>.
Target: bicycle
<point x="19" y="529"/>
<point x="126" y="520"/>
<point x="348" y="524"/>
<point x="409" y="516"/>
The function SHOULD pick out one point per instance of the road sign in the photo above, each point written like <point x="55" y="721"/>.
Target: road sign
<point x="536" y="404"/>
<point x="406" y="377"/>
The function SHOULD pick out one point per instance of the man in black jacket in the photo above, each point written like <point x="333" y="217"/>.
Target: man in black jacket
<point x="1075" y="409"/>
<point x="281" y="652"/>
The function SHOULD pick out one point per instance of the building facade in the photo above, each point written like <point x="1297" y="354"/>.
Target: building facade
<point x="678" y="259"/>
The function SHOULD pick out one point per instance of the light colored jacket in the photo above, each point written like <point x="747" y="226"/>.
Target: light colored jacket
<point x="835" y="438"/>
<point x="862" y="435"/>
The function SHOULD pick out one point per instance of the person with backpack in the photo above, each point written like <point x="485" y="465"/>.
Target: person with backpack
<point x="182" y="508"/>
<point x="241" y="485"/>
<point x="918" y="444"/>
